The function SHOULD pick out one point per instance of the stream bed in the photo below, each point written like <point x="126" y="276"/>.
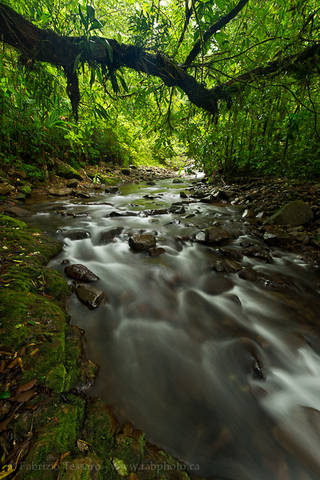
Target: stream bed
<point x="212" y="350"/>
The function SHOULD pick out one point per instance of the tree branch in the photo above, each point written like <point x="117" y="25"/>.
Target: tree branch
<point x="188" y="13"/>
<point x="222" y="22"/>
<point x="47" y="46"/>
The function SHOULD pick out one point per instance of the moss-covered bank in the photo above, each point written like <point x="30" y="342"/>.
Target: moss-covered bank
<point x="50" y="429"/>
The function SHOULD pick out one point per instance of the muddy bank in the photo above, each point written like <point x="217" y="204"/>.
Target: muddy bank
<point x="49" y="427"/>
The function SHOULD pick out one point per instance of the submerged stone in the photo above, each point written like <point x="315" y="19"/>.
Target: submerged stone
<point x="80" y="235"/>
<point x="216" y="235"/>
<point x="80" y="272"/>
<point x="216" y="284"/>
<point x="142" y="242"/>
<point x="112" y="190"/>
<point x="156" y="252"/>
<point x="17" y="211"/>
<point x="109" y="235"/>
<point x="90" y="296"/>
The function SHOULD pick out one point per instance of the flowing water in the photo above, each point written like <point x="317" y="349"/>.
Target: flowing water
<point x="221" y="371"/>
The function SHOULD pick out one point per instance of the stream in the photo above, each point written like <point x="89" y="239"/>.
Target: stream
<point x="213" y="351"/>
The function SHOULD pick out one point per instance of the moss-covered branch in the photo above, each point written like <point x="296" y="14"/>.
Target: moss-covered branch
<point x="47" y="46"/>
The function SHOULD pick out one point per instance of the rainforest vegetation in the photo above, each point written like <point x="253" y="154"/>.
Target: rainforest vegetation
<point x="233" y="85"/>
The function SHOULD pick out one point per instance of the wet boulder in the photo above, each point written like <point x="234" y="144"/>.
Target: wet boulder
<point x="142" y="242"/>
<point x="276" y="240"/>
<point x="66" y="171"/>
<point x="77" y="235"/>
<point x="6" y="188"/>
<point x="225" y="265"/>
<point x="214" y="284"/>
<point x="80" y="272"/>
<point x="109" y="235"/>
<point x="112" y="190"/>
<point x="214" y="235"/>
<point x="159" y="211"/>
<point x="90" y="296"/>
<point x="17" y="211"/>
<point x="177" y="209"/>
<point x="81" y="194"/>
<point x="156" y="252"/>
<point x="248" y="274"/>
<point x="73" y="183"/>
<point x="293" y="213"/>
<point x="200" y="237"/>
<point x="60" y="192"/>
<point x="121" y="214"/>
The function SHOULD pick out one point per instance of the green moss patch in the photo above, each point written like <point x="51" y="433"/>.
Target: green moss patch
<point x="66" y="171"/>
<point x="56" y="436"/>
<point x="100" y="427"/>
<point x="88" y="467"/>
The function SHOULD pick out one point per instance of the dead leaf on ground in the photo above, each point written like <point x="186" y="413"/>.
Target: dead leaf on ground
<point x="82" y="445"/>
<point x="64" y="455"/>
<point x="56" y="463"/>
<point x="25" y="396"/>
<point x="27" y="386"/>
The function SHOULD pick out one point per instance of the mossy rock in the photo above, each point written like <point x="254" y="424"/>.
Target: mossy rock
<point x="100" y="427"/>
<point x="81" y="372"/>
<point x="56" y="378"/>
<point x="130" y="446"/>
<point x="27" y="245"/>
<point x="66" y="171"/>
<point x="158" y="465"/>
<point x="89" y="467"/>
<point x="108" y="179"/>
<point x="55" y="285"/>
<point x="7" y="221"/>
<point x="25" y="188"/>
<point x="56" y="436"/>
<point x="293" y="213"/>
<point x="23" y="278"/>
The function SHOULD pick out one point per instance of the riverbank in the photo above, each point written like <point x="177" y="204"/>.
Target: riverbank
<point x="49" y="425"/>
<point x="50" y="428"/>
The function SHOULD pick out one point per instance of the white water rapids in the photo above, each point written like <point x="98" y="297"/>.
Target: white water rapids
<point x="220" y="371"/>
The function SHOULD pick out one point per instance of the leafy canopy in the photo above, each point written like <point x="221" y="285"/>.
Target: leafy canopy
<point x="254" y="66"/>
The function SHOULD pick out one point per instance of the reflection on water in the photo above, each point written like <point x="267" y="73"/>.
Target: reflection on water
<point x="219" y="370"/>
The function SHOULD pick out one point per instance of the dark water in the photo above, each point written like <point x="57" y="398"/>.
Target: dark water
<point x="221" y="371"/>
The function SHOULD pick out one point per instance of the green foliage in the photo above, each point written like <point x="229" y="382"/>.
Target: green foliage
<point x="274" y="132"/>
<point x="271" y="127"/>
